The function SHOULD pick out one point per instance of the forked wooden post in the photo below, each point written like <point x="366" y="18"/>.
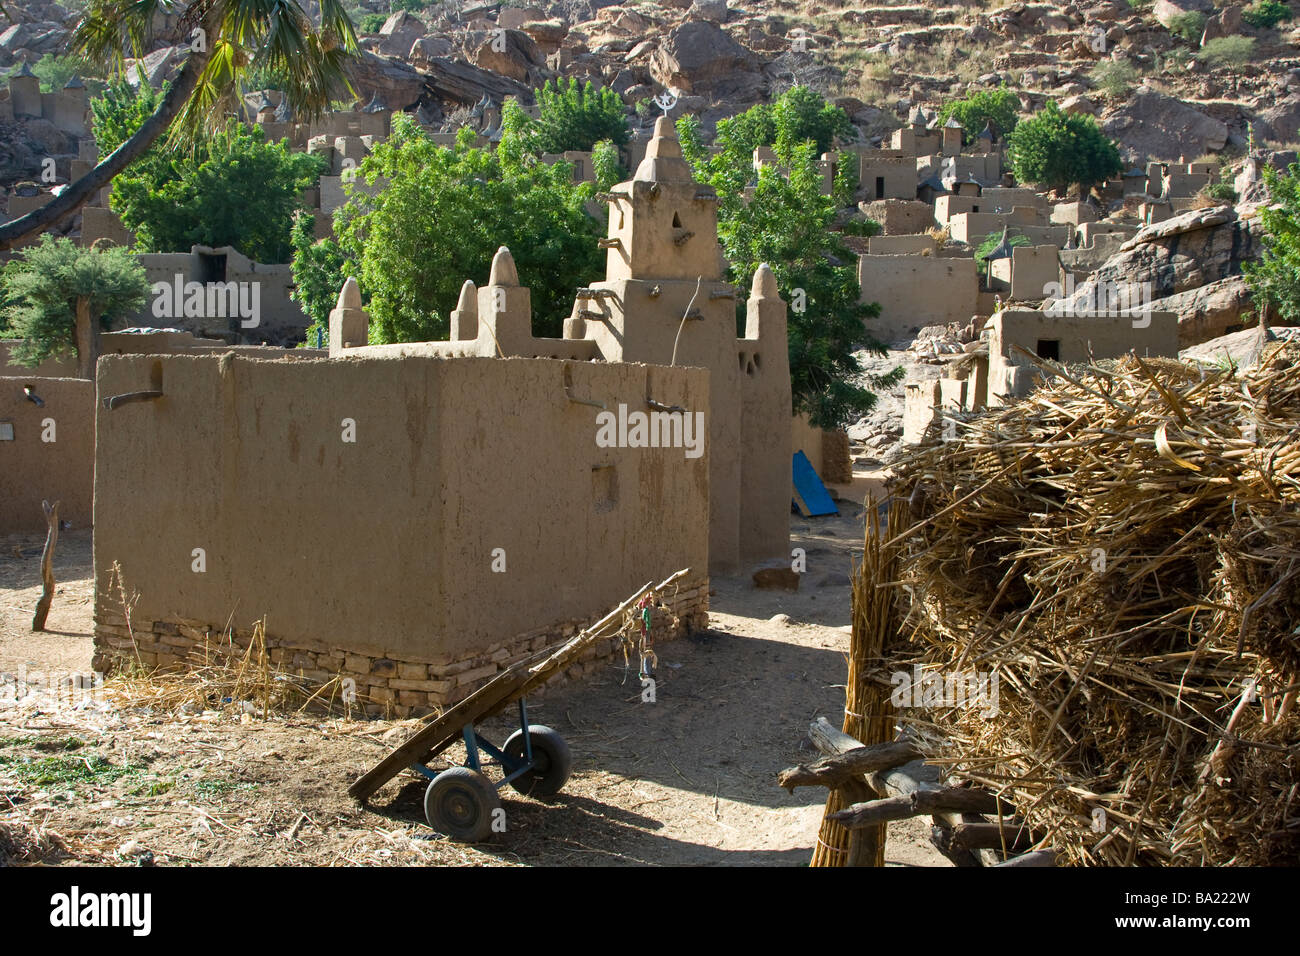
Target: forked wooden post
<point x="47" y="565"/>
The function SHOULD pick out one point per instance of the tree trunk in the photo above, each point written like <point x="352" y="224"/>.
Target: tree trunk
<point x="87" y="338"/>
<point x="80" y="192"/>
<point x="47" y="565"/>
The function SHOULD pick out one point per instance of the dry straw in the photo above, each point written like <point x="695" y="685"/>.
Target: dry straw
<point x="1122" y="548"/>
<point x="868" y="714"/>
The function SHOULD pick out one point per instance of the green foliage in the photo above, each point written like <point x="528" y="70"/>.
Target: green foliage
<point x="861" y="226"/>
<point x="438" y="221"/>
<point x="1114" y="78"/>
<point x="54" y="70"/>
<point x="66" y="772"/>
<point x="1223" y="192"/>
<point x="40" y="287"/>
<point x="1001" y="107"/>
<point x="1234" y="51"/>
<point x="1275" y="276"/>
<point x="605" y="165"/>
<point x="1060" y="149"/>
<point x="1188" y="26"/>
<point x="232" y="188"/>
<point x="990" y="242"/>
<point x="572" y="116"/>
<point x="803" y="114"/>
<point x="1266" y="14"/>
<point x="790" y="225"/>
<point x="317" y="276"/>
<point x="371" y="22"/>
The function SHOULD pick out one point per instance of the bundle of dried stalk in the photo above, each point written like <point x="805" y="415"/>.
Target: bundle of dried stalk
<point x="223" y="676"/>
<point x="1122" y="550"/>
<point x="868" y="714"/>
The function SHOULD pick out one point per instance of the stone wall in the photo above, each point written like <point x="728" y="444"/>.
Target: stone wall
<point x="392" y="684"/>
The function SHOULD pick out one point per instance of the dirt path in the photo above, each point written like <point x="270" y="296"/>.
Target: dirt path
<point x="688" y="779"/>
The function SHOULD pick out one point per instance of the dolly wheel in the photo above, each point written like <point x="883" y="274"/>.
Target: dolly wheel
<point x="460" y="803"/>
<point x="552" y="761"/>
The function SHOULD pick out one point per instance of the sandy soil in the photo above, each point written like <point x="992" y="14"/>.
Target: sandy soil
<point x="689" y="779"/>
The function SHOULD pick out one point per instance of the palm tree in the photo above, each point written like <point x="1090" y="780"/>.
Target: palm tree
<point x="228" y="40"/>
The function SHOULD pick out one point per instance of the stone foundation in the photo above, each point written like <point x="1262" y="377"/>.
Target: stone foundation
<point x="386" y="686"/>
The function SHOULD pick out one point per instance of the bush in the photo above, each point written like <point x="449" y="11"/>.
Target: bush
<point x="1266" y="14"/>
<point x="1059" y="150"/>
<point x="1189" y="26"/>
<point x="371" y="22"/>
<point x="1223" y="192"/>
<point x="439" y="220"/>
<point x="575" y="116"/>
<point x="1114" y="79"/>
<point x="1275" y="276"/>
<point x="232" y="188"/>
<point x="1000" y="107"/>
<point x="1231" y="51"/>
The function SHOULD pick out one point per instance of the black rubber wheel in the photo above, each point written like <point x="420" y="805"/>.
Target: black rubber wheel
<point x="460" y="802"/>
<point x="552" y="761"/>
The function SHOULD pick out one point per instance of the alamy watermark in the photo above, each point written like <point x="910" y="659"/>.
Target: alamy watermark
<point x="968" y="690"/>
<point x="651" y="430"/>
<point x="1095" y="299"/>
<point x="212" y="300"/>
<point x="16" y="687"/>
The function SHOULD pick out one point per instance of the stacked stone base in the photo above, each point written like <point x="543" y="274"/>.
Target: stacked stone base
<point x="393" y="685"/>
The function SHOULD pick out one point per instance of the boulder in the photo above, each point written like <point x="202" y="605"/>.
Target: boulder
<point x="547" y="34"/>
<point x="425" y="48"/>
<point x="698" y="56"/>
<point x="399" y="32"/>
<point x="1209" y="311"/>
<point x="1191" y="265"/>
<point x="776" y="574"/>
<point x="512" y="54"/>
<point x="1223" y="24"/>
<point x="397" y="85"/>
<point x="1166" y="11"/>
<point x="1279" y="122"/>
<point x="514" y="18"/>
<point x="1152" y="124"/>
<point x="714" y="11"/>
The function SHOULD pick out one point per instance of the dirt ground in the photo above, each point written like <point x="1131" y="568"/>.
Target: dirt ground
<point x="687" y="780"/>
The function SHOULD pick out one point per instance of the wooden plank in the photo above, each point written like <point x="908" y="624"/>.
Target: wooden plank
<point x="835" y="771"/>
<point x="992" y="836"/>
<point x="918" y="803"/>
<point x="498" y="693"/>
<point x="1034" y="858"/>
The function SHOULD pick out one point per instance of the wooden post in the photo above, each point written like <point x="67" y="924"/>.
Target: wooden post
<point x="47" y="565"/>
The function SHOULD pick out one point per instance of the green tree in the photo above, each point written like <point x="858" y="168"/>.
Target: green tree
<point x="1062" y="149"/>
<point x="1274" y="278"/>
<point x="318" y="267"/>
<point x="59" y="296"/>
<point x="226" y="40"/>
<point x="571" y="116"/>
<point x="790" y="225"/>
<point x="1188" y="26"/>
<point x="1266" y="14"/>
<point x="802" y="114"/>
<point x="1001" y="107"/>
<point x="439" y="219"/>
<point x="605" y="165"/>
<point x="231" y="188"/>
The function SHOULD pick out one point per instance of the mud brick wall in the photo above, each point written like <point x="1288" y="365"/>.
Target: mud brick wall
<point x="388" y="686"/>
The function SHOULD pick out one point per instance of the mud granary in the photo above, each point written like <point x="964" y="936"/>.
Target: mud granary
<point x="417" y="517"/>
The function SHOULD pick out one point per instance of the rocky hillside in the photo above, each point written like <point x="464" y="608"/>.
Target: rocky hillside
<point x="1168" y="78"/>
